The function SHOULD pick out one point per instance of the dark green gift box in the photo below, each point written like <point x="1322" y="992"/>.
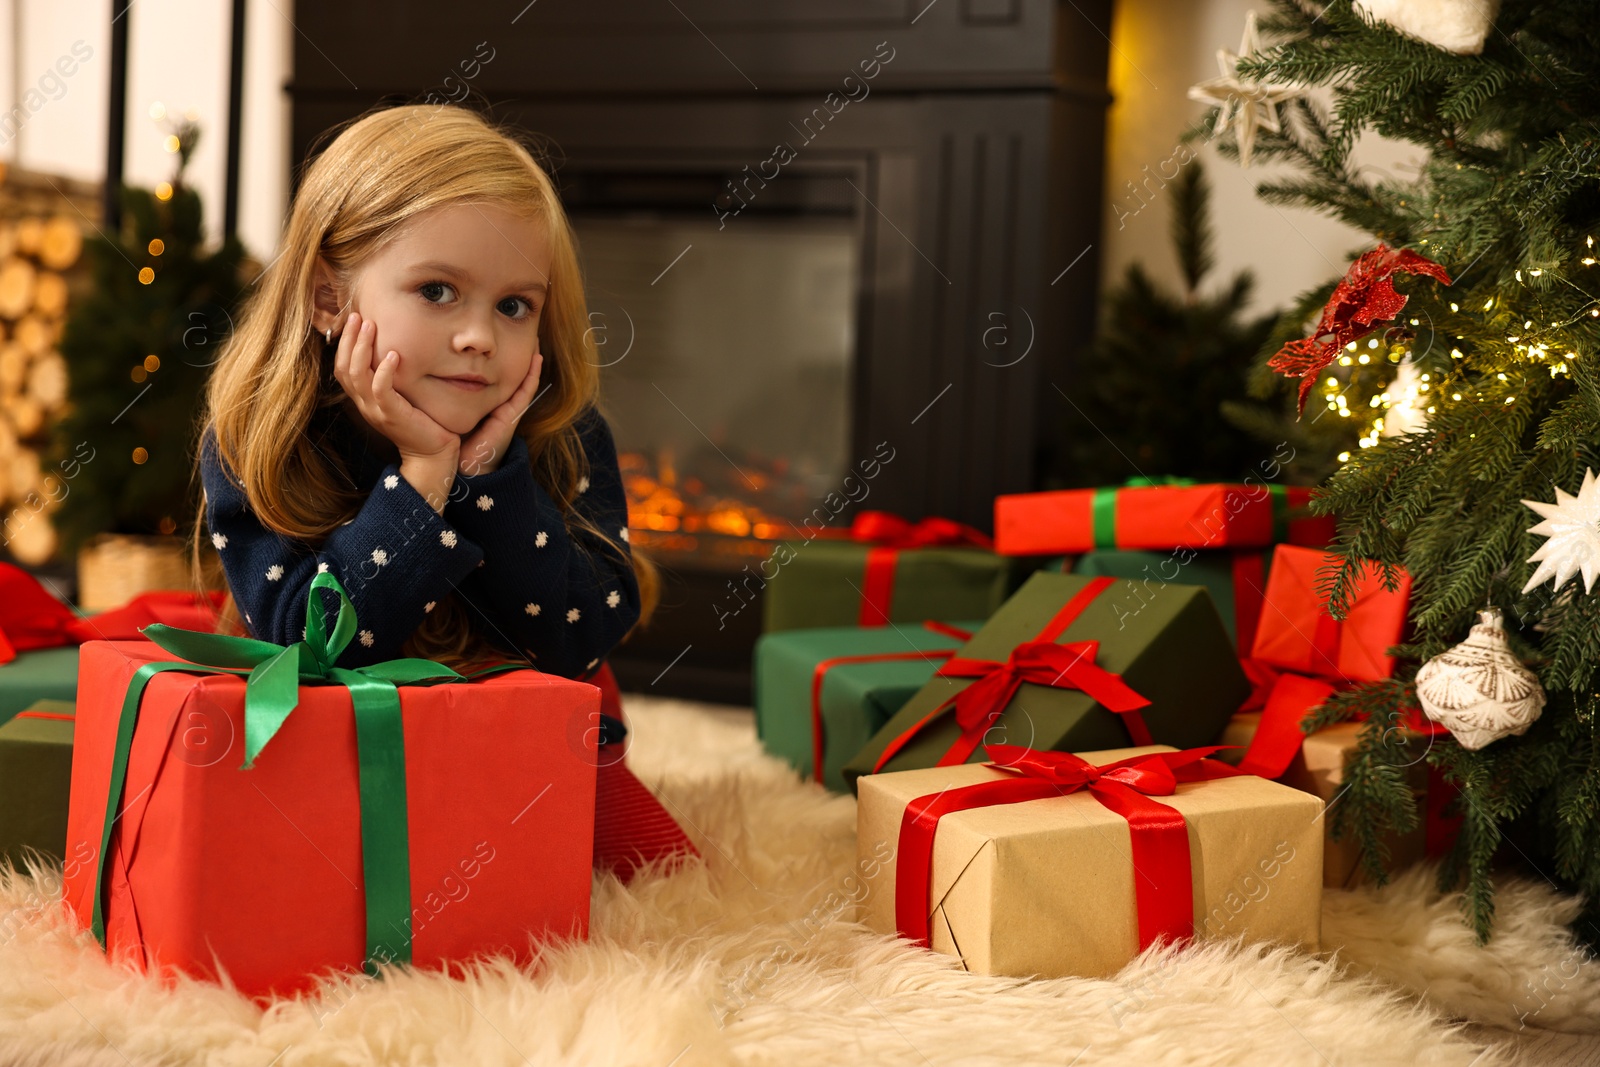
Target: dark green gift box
<point x="857" y="698"/>
<point x="35" y="773"/>
<point x="43" y="674"/>
<point x="1147" y="573"/>
<point x="822" y="582"/>
<point x="1172" y="650"/>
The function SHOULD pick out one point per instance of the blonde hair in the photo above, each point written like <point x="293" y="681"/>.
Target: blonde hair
<point x="275" y="371"/>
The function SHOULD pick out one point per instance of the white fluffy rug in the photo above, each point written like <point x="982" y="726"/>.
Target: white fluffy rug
<point x="752" y="958"/>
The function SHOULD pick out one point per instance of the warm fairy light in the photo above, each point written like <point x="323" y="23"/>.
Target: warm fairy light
<point x="1363" y="359"/>
<point x="1372" y="343"/>
<point x="158" y="111"/>
<point x="1455" y="307"/>
<point x="140" y="455"/>
<point x="1344" y="457"/>
<point x="1345" y="361"/>
<point x="1502" y="377"/>
<point x="152" y="363"/>
<point x="1351" y="346"/>
<point x="1536" y="272"/>
<point x="172" y="143"/>
<point x="1455" y="353"/>
<point x="157" y="246"/>
<point x="1455" y="396"/>
<point x="164" y="191"/>
<point x="1489" y="303"/>
<point x="139" y="374"/>
<point x="146" y="275"/>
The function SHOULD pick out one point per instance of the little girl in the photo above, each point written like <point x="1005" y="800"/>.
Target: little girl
<point x="408" y="403"/>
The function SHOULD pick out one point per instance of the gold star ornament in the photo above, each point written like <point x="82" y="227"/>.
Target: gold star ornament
<point x="1245" y="105"/>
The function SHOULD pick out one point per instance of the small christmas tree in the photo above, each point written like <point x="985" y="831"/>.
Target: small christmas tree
<point x="139" y="345"/>
<point x="1164" y="363"/>
<point x="1492" y="247"/>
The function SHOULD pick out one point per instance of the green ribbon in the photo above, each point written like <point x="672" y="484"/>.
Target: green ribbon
<point x="1103" y="507"/>
<point x="275" y="674"/>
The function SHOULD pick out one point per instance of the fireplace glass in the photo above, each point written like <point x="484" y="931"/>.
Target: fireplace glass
<point x="726" y="346"/>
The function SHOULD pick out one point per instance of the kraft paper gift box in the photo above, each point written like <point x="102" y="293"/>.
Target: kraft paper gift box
<point x="426" y="823"/>
<point x="35" y="774"/>
<point x="1047" y="887"/>
<point x="1170" y="650"/>
<point x="1157" y="517"/>
<point x="1319" y="769"/>
<point x="1236" y="580"/>
<point x="831" y="689"/>
<point x="1296" y="632"/>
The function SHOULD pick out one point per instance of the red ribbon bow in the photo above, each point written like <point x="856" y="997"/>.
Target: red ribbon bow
<point x="1069" y="666"/>
<point x="888" y="533"/>
<point x="889" y="530"/>
<point x="1163" y="881"/>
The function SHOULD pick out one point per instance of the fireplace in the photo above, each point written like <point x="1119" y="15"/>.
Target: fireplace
<point x="807" y="229"/>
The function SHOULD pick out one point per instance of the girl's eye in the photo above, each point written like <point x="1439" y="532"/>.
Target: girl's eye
<point x="515" y="302"/>
<point x="430" y="291"/>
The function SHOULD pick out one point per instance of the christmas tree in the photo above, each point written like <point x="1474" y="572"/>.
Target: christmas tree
<point x="139" y="344"/>
<point x="1490" y="253"/>
<point x="1163" y="363"/>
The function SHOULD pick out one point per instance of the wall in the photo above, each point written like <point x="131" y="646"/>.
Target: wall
<point x="1159" y="49"/>
<point x="178" y="55"/>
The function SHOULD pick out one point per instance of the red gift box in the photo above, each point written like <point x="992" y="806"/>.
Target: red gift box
<point x="1156" y="517"/>
<point x="260" y="872"/>
<point x="1296" y="633"/>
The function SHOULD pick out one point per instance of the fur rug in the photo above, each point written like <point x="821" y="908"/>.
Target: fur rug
<point x="753" y="958"/>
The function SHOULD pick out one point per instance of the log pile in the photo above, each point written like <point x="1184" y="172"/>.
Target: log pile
<point x="43" y="219"/>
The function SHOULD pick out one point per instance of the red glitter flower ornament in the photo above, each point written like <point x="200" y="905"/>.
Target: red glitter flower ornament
<point x="1364" y="296"/>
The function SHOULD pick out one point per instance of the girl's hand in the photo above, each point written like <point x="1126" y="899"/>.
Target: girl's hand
<point x="485" y="446"/>
<point x="413" y="432"/>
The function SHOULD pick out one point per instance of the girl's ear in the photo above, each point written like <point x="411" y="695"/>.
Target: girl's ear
<point x="327" y="299"/>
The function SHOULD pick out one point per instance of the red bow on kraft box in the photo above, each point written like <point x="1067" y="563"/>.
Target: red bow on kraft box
<point x="1163" y="883"/>
<point x="1317" y="653"/>
<point x="888" y="533"/>
<point x="32" y="619"/>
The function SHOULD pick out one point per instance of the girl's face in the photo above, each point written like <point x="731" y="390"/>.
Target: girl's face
<point x="458" y="293"/>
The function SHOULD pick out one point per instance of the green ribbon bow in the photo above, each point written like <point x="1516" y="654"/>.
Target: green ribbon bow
<point x="275" y="674"/>
<point x="1103" y="508"/>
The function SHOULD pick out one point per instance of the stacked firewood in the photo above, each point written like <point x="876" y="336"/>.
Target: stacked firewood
<point x="42" y="223"/>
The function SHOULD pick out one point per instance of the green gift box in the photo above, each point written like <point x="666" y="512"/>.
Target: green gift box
<point x="867" y="673"/>
<point x="35" y="774"/>
<point x="1070" y="630"/>
<point x="1236" y="581"/>
<point x="830" y="583"/>
<point x="43" y="674"/>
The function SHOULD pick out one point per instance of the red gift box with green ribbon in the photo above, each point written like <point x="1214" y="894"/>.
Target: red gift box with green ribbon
<point x="249" y="806"/>
<point x="1161" y="516"/>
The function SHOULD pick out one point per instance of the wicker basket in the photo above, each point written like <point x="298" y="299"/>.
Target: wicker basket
<point x="115" y="568"/>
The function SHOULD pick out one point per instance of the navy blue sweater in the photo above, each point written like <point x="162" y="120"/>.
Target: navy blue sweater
<point x="557" y="596"/>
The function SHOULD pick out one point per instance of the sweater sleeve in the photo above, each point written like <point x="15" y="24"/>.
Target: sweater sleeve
<point x="553" y="591"/>
<point x="395" y="559"/>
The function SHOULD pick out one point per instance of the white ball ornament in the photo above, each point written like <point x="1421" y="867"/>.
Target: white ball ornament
<point x="1459" y="26"/>
<point x="1479" y="690"/>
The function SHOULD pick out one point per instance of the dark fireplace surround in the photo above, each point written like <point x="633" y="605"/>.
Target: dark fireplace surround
<point x="961" y="141"/>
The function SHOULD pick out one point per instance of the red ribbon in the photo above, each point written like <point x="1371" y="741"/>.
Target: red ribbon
<point x="1163" y="882"/>
<point x="818" y="738"/>
<point x="1042" y="662"/>
<point x="44" y="715"/>
<point x="888" y="533"/>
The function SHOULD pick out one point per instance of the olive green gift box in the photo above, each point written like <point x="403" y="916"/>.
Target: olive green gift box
<point x="35" y="773"/>
<point x="856" y="698"/>
<point x="820" y="583"/>
<point x="1172" y="650"/>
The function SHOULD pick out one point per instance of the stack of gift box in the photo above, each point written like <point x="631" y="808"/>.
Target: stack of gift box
<point x="224" y="806"/>
<point x="1097" y="747"/>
